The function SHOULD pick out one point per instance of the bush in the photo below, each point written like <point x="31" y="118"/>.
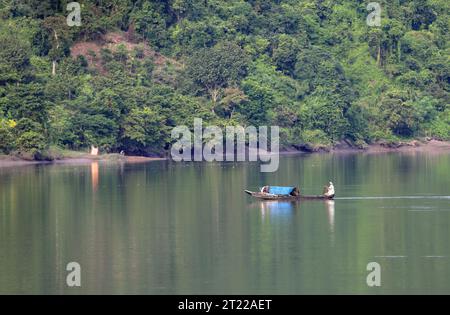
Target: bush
<point x="440" y="129"/>
<point x="31" y="144"/>
<point x="6" y="136"/>
<point x="315" y="137"/>
<point x="386" y="138"/>
<point x="121" y="53"/>
<point x="106" y="55"/>
<point x="139" y="52"/>
<point x="360" y="144"/>
<point x="383" y="135"/>
<point x="82" y="61"/>
<point x="315" y="140"/>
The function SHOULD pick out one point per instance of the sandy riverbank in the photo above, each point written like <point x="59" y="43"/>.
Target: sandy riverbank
<point x="431" y="146"/>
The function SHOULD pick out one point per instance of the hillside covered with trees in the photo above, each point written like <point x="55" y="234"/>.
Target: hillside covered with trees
<point x="134" y="70"/>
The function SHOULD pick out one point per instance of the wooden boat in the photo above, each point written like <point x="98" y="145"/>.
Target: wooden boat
<point x="267" y="196"/>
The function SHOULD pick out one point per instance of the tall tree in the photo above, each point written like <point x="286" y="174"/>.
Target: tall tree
<point x="217" y="67"/>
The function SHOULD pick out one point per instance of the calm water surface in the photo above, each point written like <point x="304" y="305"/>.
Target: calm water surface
<point x="170" y="228"/>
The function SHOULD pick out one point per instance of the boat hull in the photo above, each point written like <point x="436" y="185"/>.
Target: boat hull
<point x="265" y="196"/>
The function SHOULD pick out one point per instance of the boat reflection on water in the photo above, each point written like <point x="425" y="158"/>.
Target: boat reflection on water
<point x="287" y="208"/>
<point x="278" y="208"/>
<point x="330" y="210"/>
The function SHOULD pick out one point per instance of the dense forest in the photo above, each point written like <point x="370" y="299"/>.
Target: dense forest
<point x="134" y="70"/>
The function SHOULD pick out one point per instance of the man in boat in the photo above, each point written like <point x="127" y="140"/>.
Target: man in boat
<point x="329" y="190"/>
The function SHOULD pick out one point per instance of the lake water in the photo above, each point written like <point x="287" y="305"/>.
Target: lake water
<point x="188" y="228"/>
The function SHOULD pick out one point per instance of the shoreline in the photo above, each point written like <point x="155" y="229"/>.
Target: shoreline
<point x="431" y="146"/>
<point x="10" y="161"/>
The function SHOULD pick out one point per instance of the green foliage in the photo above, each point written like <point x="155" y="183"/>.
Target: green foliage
<point x="24" y="100"/>
<point x="151" y="23"/>
<point x="440" y="128"/>
<point x="6" y="135"/>
<point x="32" y="143"/>
<point x="121" y="54"/>
<point x="315" y="140"/>
<point x="315" y="137"/>
<point x="324" y="114"/>
<point x="217" y="67"/>
<point x="314" y="68"/>
<point x="270" y="96"/>
<point x="285" y="53"/>
<point x="142" y="131"/>
<point x="15" y="58"/>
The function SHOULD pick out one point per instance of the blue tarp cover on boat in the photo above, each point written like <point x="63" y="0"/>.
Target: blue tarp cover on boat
<point x="278" y="190"/>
